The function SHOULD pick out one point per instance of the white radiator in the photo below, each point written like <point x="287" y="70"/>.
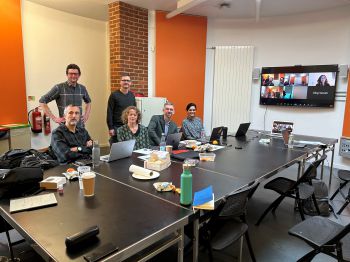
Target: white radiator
<point x="233" y="69"/>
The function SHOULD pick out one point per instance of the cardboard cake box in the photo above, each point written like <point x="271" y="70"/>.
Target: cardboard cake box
<point x="158" y="161"/>
<point x="52" y="182"/>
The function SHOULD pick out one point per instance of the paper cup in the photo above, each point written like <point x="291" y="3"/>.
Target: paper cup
<point x="89" y="183"/>
<point x="169" y="149"/>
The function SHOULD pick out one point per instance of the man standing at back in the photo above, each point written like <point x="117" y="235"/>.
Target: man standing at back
<point x="162" y="124"/>
<point x="117" y="102"/>
<point x="67" y="93"/>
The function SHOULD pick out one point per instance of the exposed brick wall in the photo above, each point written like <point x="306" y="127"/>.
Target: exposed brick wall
<point x="128" y="43"/>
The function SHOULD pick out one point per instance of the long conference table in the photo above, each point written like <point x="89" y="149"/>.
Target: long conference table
<point x="135" y="217"/>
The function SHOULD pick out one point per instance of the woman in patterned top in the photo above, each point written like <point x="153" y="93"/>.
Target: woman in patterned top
<point x="132" y="129"/>
<point x="192" y="125"/>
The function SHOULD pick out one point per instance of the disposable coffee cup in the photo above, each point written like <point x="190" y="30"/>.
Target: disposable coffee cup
<point x="89" y="183"/>
<point x="169" y="149"/>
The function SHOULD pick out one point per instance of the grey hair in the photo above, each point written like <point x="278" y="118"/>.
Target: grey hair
<point x="168" y="103"/>
<point x="66" y="109"/>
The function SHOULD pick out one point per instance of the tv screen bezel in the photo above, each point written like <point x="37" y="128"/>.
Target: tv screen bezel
<point x="332" y="68"/>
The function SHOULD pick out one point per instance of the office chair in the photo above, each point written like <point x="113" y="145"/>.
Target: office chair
<point x="343" y="175"/>
<point x="299" y="190"/>
<point x="5" y="227"/>
<point x="324" y="236"/>
<point x="227" y="223"/>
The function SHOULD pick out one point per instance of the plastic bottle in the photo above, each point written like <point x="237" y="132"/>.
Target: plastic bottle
<point x="162" y="145"/>
<point x="186" y="185"/>
<point x="202" y="134"/>
<point x="96" y="154"/>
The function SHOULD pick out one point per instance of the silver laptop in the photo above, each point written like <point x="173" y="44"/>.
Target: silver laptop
<point x="174" y="140"/>
<point x="119" y="150"/>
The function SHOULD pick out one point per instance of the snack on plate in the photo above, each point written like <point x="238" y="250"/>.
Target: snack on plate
<point x="70" y="170"/>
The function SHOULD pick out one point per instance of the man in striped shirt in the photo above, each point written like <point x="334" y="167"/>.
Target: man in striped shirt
<point x="67" y="93"/>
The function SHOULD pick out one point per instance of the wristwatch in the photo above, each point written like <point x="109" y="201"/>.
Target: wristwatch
<point x="79" y="148"/>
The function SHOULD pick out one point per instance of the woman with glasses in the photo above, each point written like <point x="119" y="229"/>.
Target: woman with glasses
<point x="192" y="126"/>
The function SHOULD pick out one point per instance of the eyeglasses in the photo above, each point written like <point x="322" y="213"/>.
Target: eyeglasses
<point x="73" y="74"/>
<point x="126" y="80"/>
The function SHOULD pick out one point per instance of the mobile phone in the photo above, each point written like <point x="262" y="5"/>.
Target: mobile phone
<point x="101" y="252"/>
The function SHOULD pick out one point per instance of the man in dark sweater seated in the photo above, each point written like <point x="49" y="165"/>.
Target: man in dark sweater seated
<point x="70" y="142"/>
<point x="117" y="102"/>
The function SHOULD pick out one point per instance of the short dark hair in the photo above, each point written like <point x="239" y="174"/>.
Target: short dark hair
<point x="124" y="74"/>
<point x="189" y="105"/>
<point x="72" y="66"/>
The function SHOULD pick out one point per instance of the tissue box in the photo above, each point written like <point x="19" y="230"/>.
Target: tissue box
<point x="52" y="182"/>
<point x="158" y="161"/>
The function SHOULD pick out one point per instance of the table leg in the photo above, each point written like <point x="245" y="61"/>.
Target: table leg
<point x="331" y="169"/>
<point x="180" y="245"/>
<point x="195" y="239"/>
<point x="322" y="165"/>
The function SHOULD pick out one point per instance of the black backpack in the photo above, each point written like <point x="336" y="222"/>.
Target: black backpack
<point x="14" y="157"/>
<point x="20" y="181"/>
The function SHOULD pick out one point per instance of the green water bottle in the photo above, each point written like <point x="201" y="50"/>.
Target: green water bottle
<point x="186" y="186"/>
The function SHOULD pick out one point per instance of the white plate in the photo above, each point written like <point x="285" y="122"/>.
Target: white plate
<point x="141" y="177"/>
<point x="188" y="142"/>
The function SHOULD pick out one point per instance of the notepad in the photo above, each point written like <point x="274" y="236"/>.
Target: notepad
<point x="33" y="202"/>
<point x="204" y="199"/>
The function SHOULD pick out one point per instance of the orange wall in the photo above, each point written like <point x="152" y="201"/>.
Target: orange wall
<point x="12" y="88"/>
<point x="346" y="122"/>
<point x="180" y="61"/>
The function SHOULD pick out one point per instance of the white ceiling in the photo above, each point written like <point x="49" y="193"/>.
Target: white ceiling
<point x="235" y="9"/>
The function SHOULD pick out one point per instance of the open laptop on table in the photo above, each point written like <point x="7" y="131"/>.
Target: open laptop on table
<point x="173" y="140"/>
<point x="119" y="150"/>
<point x="242" y="130"/>
<point x="215" y="135"/>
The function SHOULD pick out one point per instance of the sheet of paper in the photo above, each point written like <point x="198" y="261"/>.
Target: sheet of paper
<point x="144" y="151"/>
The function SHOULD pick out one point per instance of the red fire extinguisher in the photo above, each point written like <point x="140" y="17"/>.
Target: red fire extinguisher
<point x="35" y="120"/>
<point x="47" y="125"/>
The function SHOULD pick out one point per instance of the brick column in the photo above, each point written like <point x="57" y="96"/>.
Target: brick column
<point x="128" y="43"/>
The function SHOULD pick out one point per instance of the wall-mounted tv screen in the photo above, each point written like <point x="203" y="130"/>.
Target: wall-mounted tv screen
<point x="309" y="86"/>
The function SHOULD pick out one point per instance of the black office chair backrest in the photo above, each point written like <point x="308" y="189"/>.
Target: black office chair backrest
<point x="236" y="203"/>
<point x="311" y="171"/>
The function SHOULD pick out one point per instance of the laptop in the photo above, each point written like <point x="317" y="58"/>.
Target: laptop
<point x="173" y="140"/>
<point x="215" y="135"/>
<point x="242" y="130"/>
<point x="279" y="126"/>
<point x="119" y="150"/>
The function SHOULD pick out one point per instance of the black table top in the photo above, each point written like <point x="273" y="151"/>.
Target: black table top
<point x="125" y="217"/>
<point x="119" y="170"/>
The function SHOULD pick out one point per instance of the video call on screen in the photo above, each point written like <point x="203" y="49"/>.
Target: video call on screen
<point x="282" y="86"/>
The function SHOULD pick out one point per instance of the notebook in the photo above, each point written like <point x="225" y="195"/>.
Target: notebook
<point x="119" y="150"/>
<point x="32" y="202"/>
<point x="204" y="199"/>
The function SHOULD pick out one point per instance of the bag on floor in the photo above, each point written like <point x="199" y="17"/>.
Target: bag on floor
<point x="321" y="193"/>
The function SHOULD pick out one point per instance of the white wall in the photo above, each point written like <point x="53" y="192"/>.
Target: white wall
<point x="53" y="39"/>
<point x="306" y="39"/>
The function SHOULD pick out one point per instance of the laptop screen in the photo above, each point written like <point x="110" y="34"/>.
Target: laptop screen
<point x="279" y="126"/>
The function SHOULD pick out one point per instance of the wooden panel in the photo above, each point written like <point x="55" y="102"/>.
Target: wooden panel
<point x="12" y="88"/>
<point x="180" y="61"/>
